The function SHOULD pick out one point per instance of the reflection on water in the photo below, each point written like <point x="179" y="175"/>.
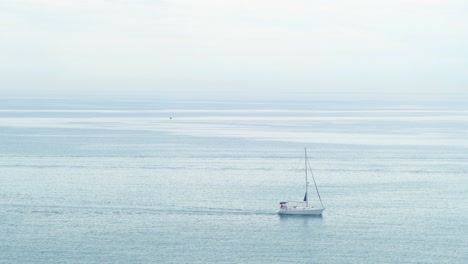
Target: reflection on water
<point x="305" y="222"/>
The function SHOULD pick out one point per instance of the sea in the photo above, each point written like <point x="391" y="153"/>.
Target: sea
<point x="192" y="181"/>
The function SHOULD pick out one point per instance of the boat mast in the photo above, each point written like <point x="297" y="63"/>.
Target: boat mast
<point x="306" y="198"/>
<point x="313" y="178"/>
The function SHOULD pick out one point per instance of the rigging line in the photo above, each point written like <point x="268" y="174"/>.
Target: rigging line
<point x="313" y="178"/>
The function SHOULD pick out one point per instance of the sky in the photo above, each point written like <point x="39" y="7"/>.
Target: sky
<point x="233" y="48"/>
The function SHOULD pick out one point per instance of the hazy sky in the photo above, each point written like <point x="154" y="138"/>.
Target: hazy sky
<point x="232" y="47"/>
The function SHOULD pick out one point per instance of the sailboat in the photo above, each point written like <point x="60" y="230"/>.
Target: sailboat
<point x="303" y="208"/>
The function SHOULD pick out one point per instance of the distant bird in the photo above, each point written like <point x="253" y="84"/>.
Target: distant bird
<point x="170" y="117"/>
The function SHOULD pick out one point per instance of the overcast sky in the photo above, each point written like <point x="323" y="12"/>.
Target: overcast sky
<point x="281" y="49"/>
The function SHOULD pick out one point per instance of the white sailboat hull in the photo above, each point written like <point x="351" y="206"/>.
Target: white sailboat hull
<point x="301" y="211"/>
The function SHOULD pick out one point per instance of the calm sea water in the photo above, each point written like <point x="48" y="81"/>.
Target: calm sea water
<point x="121" y="182"/>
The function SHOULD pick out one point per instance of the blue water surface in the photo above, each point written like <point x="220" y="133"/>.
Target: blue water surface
<point x="121" y="182"/>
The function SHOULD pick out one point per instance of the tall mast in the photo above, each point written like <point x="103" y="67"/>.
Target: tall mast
<point x="313" y="178"/>
<point x="306" y="198"/>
